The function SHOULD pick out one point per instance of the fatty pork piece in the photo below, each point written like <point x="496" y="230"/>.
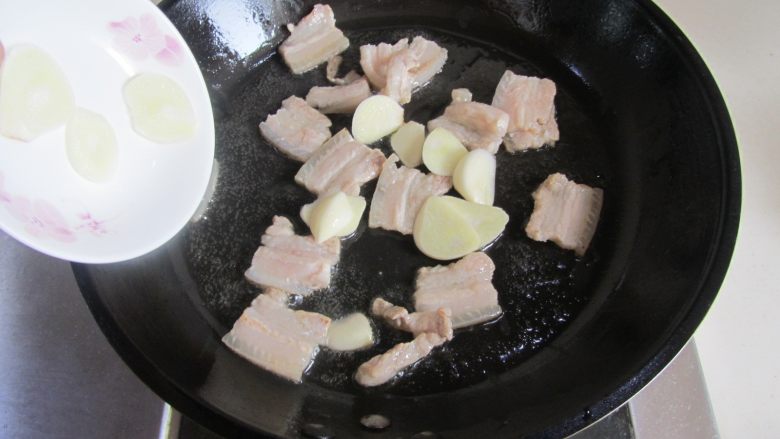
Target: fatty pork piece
<point x="381" y="368"/>
<point x="314" y="40"/>
<point x="290" y="262"/>
<point x="530" y="103"/>
<point x="399" y="195"/>
<point x="341" y="164"/>
<point x="396" y="70"/>
<point x="332" y="69"/>
<point x="476" y="125"/>
<point x="565" y="213"/>
<point x="465" y="287"/>
<point x="339" y="98"/>
<point x="437" y="322"/>
<point x="277" y="338"/>
<point x="297" y="129"/>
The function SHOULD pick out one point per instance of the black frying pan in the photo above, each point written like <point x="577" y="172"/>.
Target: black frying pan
<point x="640" y="116"/>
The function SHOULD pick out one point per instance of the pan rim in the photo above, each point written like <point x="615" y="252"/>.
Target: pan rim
<point x="721" y="251"/>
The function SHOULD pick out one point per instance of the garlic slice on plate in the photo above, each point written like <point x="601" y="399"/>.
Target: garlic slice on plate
<point x="90" y="143"/>
<point x="159" y="108"/>
<point x="35" y="96"/>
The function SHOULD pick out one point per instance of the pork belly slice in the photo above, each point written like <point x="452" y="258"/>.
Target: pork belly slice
<point x="565" y="213"/>
<point x="396" y="70"/>
<point x="437" y="322"/>
<point x="293" y="263"/>
<point x="332" y="70"/>
<point x="339" y="98"/>
<point x="530" y="103"/>
<point x="277" y="338"/>
<point x="430" y="60"/>
<point x="465" y="287"/>
<point x="314" y="40"/>
<point x="399" y="77"/>
<point x="475" y="124"/>
<point x="461" y="95"/>
<point x="399" y="195"/>
<point x="341" y="164"/>
<point x="382" y="368"/>
<point x="296" y="129"/>
<point x="374" y="59"/>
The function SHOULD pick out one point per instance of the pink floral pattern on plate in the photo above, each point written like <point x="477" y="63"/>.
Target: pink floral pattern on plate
<point x="139" y="38"/>
<point x="41" y="219"/>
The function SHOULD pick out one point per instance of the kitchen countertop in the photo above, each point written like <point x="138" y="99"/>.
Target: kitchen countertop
<point x="740" y="43"/>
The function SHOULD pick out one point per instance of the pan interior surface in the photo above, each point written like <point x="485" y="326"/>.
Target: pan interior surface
<point x="578" y="336"/>
<point x="541" y="287"/>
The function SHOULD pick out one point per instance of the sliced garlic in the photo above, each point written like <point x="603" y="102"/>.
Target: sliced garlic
<point x="376" y="117"/>
<point x="350" y="333"/>
<point x="475" y="176"/>
<point x="159" y="108"/>
<point x="487" y="221"/>
<point x="35" y="96"/>
<point x="90" y="143"/>
<point x="336" y="214"/>
<point x="442" y="151"/>
<point x="407" y="143"/>
<point x="442" y="232"/>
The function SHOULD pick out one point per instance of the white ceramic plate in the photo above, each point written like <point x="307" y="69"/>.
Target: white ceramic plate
<point x="99" y="44"/>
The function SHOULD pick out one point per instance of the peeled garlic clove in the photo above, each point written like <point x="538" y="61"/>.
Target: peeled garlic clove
<point x="35" y="96"/>
<point x="90" y="143"/>
<point x="306" y="213"/>
<point x="487" y="221"/>
<point x="350" y="333"/>
<point x="442" y="151"/>
<point x="442" y="232"/>
<point x="332" y="215"/>
<point x="407" y="143"/>
<point x="159" y="108"/>
<point x="376" y="117"/>
<point x="475" y="177"/>
<point x="358" y="206"/>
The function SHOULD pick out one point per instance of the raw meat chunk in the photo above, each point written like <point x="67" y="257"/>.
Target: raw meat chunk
<point x="339" y="98"/>
<point x="475" y="124"/>
<point x="381" y="368"/>
<point x="314" y="40"/>
<point x="341" y="164"/>
<point x="430" y="59"/>
<point x="530" y="103"/>
<point x="565" y="213"/>
<point x="465" y="287"/>
<point x="461" y="95"/>
<point x="398" y="80"/>
<point x="290" y="262"/>
<point x="297" y="129"/>
<point x="396" y="70"/>
<point x="332" y="69"/>
<point x="398" y="317"/>
<point x="399" y="195"/>
<point x="277" y="338"/>
<point x="374" y="59"/>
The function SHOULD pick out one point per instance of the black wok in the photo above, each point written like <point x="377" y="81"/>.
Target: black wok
<point x="640" y="116"/>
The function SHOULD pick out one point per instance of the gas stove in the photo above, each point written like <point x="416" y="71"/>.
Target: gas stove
<point x="61" y="378"/>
